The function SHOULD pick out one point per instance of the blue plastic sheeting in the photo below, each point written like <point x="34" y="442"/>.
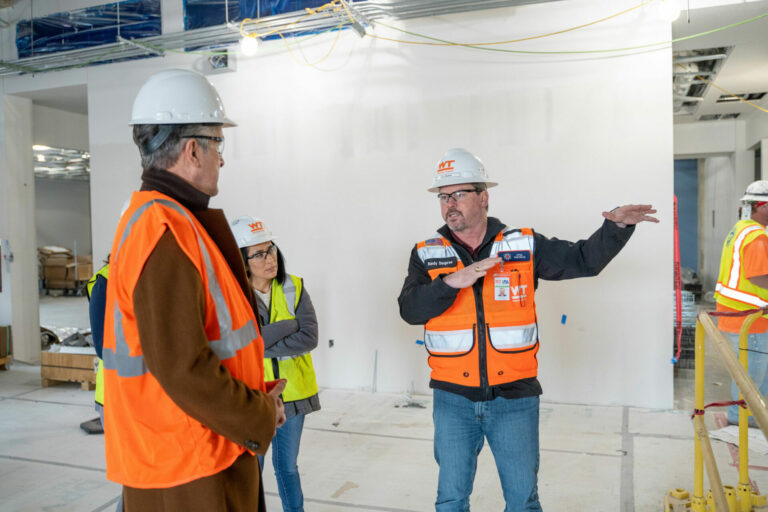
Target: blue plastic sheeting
<point x="84" y="28"/>
<point x="206" y="13"/>
<point x="686" y="185"/>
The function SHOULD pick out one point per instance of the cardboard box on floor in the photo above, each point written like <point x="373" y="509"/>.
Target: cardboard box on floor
<point x="6" y="341"/>
<point x="58" y="267"/>
<point x="83" y="273"/>
<point x="55" y="272"/>
<point x="59" y="284"/>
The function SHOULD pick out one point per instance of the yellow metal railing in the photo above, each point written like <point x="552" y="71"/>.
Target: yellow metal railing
<point x="722" y="498"/>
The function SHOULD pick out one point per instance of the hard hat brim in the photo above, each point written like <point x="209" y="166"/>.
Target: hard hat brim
<point x="224" y="123"/>
<point x="458" y="181"/>
<point x="753" y="198"/>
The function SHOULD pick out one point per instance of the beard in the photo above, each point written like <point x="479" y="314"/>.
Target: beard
<point x="457" y="223"/>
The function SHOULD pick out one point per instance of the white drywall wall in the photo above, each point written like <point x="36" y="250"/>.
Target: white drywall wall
<point x="706" y="138"/>
<point x="18" y="181"/>
<point x="63" y="214"/>
<point x="5" y="224"/>
<point x="59" y="128"/>
<point x="338" y="163"/>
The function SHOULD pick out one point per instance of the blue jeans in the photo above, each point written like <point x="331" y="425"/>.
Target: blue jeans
<point x="285" y="451"/>
<point x="100" y="409"/>
<point x="512" y="429"/>
<point x="758" y="370"/>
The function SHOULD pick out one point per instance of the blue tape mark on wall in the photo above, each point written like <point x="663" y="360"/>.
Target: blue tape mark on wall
<point x="84" y="28"/>
<point x="206" y="13"/>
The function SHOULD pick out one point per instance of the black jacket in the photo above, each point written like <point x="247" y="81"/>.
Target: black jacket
<point x="422" y="299"/>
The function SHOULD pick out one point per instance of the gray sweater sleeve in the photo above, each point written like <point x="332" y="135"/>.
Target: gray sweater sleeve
<point x="291" y="337"/>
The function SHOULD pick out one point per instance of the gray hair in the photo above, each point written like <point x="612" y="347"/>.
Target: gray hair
<point x="480" y="187"/>
<point x="168" y="152"/>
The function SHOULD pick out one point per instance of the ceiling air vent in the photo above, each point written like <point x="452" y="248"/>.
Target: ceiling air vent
<point x="688" y="69"/>
<point x="718" y="117"/>
<point x="749" y="96"/>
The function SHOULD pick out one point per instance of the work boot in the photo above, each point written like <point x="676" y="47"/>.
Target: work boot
<point x="92" y="426"/>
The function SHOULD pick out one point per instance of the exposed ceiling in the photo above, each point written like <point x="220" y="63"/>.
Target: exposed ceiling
<point x="735" y="59"/>
<point x="361" y="12"/>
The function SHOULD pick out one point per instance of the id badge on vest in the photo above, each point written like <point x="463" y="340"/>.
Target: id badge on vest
<point x="507" y="284"/>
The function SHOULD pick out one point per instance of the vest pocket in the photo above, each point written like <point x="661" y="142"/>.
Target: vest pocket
<point x="449" y="343"/>
<point x="513" y="338"/>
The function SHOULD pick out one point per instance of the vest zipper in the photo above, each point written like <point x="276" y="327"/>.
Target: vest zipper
<point x="477" y="289"/>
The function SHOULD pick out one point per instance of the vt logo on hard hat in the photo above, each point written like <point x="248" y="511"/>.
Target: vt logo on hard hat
<point x="445" y="166"/>
<point x="256" y="227"/>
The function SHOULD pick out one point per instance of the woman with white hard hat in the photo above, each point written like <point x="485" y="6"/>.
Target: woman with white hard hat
<point x="289" y="330"/>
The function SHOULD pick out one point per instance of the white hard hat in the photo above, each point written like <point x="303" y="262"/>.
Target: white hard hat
<point x="459" y="166"/>
<point x="178" y="96"/>
<point x="249" y="231"/>
<point x="756" y="191"/>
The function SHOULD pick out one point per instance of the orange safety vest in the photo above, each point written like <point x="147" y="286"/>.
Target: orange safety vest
<point x="733" y="289"/>
<point x="150" y="441"/>
<point x="506" y="312"/>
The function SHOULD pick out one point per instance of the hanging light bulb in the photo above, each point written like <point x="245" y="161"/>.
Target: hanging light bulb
<point x="669" y="10"/>
<point x="249" y="45"/>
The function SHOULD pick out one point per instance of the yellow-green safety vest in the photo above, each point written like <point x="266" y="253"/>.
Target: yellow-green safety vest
<point x="733" y="289"/>
<point x="297" y="370"/>
<point x="99" y="397"/>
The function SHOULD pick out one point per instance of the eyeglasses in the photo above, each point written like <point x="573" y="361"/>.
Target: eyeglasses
<point x="457" y="196"/>
<point x="262" y="255"/>
<point x="220" y="140"/>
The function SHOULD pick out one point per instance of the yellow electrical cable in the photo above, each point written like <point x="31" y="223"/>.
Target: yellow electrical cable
<point x="305" y="62"/>
<point x="514" y="40"/>
<point x="310" y="12"/>
<point x="729" y="93"/>
<point x="343" y="3"/>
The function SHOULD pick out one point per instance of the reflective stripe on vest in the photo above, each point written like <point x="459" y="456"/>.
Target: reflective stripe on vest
<point x="505" y="338"/>
<point x="733" y="289"/>
<point x="508" y="315"/>
<point x="226" y="347"/>
<point x="740" y="296"/>
<point x="289" y="291"/>
<point x="448" y="342"/>
<point x="733" y="280"/>
<point x="298" y="370"/>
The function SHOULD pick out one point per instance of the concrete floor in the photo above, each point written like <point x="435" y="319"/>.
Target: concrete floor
<point x="362" y="452"/>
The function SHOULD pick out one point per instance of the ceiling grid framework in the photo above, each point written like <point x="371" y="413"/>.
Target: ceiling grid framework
<point x="221" y="36"/>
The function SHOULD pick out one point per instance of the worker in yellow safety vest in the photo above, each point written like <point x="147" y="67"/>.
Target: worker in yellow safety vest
<point x="96" y="291"/>
<point x="289" y="330"/>
<point x="742" y="284"/>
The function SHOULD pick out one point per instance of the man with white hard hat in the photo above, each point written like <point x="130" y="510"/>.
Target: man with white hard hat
<point x="472" y="286"/>
<point x="743" y="285"/>
<point x="186" y="406"/>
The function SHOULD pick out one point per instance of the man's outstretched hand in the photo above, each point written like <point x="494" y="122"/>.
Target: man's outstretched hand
<point x="631" y="214"/>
